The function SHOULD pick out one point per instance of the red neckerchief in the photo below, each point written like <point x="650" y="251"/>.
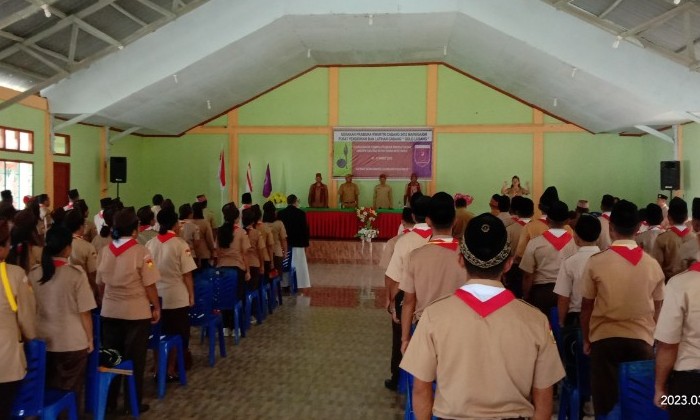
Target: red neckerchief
<point x="59" y="263"/>
<point x="680" y="233"/>
<point x="405" y="231"/>
<point x="605" y="216"/>
<point x="451" y="244"/>
<point x="122" y="249"/>
<point x="168" y="236"/>
<point x="424" y="233"/>
<point x="557" y="243"/>
<point x="488" y="307"/>
<point x="144" y="228"/>
<point x="520" y="222"/>
<point x="694" y="267"/>
<point x="77" y="237"/>
<point x="633" y="255"/>
<point x="543" y="220"/>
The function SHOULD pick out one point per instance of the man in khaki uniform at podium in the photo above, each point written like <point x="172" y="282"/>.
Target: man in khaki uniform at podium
<point x="349" y="193"/>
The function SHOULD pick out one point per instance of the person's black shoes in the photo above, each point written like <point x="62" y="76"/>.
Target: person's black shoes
<point x="391" y="385"/>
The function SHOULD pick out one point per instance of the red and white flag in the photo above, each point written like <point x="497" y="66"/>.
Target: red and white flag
<point x="249" y="180"/>
<point x="222" y="170"/>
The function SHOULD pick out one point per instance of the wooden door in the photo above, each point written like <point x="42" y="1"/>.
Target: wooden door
<point x="61" y="184"/>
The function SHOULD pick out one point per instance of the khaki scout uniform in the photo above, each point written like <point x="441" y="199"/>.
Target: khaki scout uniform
<point x="667" y="249"/>
<point x="173" y="258"/>
<point x="533" y="229"/>
<point x="14" y="325"/>
<point x="647" y="238"/>
<point x="485" y="366"/>
<point x="382" y="197"/>
<point x="234" y="255"/>
<point x="349" y="194"/>
<point x="416" y="238"/>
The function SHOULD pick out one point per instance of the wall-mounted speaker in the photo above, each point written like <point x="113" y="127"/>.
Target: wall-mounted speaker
<point x="671" y="175"/>
<point x="117" y="169"/>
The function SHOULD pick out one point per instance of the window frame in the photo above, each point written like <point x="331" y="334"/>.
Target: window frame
<point x="67" y="138"/>
<point x="4" y="129"/>
<point x="18" y="198"/>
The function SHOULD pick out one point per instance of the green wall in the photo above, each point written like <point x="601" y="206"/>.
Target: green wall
<point x="581" y="165"/>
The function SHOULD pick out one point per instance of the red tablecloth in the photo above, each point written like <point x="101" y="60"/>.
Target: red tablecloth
<point x="344" y="224"/>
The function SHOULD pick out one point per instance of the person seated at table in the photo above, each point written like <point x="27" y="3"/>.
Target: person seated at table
<point x="349" y="193"/>
<point x="382" y="194"/>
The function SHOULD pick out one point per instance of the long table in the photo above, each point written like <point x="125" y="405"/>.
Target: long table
<point x="343" y="223"/>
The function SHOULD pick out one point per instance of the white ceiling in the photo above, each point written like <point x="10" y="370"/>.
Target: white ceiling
<point x="227" y="52"/>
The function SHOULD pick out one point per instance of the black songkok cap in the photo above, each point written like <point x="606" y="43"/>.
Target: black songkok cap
<point x="696" y="208"/>
<point x="73" y="194"/>
<point x="624" y="214"/>
<point x="558" y="211"/>
<point x="105" y="202"/>
<point x="485" y="241"/>
<point x="549" y="196"/>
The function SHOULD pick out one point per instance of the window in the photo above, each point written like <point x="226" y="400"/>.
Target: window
<point x="16" y="140"/>
<point x="17" y="177"/>
<point x="61" y="145"/>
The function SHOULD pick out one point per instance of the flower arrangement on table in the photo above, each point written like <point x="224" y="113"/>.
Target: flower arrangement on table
<point x="366" y="217"/>
<point x="278" y="198"/>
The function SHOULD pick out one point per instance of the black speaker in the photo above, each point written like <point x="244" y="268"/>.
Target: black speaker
<point x="117" y="169"/>
<point x="671" y="175"/>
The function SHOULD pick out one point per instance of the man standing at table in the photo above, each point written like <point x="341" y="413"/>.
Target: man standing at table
<point x="382" y="194"/>
<point x="349" y="193"/>
<point x="318" y="193"/>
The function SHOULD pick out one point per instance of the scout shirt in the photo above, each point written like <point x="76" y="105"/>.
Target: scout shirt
<point x="487" y="362"/>
<point x="462" y="218"/>
<point x="209" y="217"/>
<point x="15" y="325"/>
<point x="100" y="242"/>
<point x="417" y="237"/>
<point x="667" y="249"/>
<point x="60" y="303"/>
<point x="99" y="221"/>
<point x="571" y="274"/>
<point x="257" y="244"/>
<point x="382" y="197"/>
<point x="205" y="247"/>
<point x="514" y="231"/>
<point x="279" y="234"/>
<point x="89" y="230"/>
<point x="624" y="281"/>
<point x="433" y="271"/>
<point x="506" y="218"/>
<point x="604" y="240"/>
<point x="647" y="238"/>
<point x="234" y="255"/>
<point x="190" y="233"/>
<point x="678" y="320"/>
<point x="267" y="239"/>
<point x="349" y="194"/>
<point x="146" y="233"/>
<point x="83" y="254"/>
<point x="389" y="249"/>
<point x="126" y="268"/>
<point x="689" y="253"/>
<point x="544" y="254"/>
<point x="174" y="259"/>
<point x="533" y="229"/>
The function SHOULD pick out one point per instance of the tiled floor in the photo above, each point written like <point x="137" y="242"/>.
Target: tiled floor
<point x="309" y="360"/>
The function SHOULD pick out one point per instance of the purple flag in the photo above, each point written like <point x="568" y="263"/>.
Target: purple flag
<point x="267" y="184"/>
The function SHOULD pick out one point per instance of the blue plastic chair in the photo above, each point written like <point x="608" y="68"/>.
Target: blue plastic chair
<point x="202" y="315"/>
<point x="407" y="380"/>
<point x="637" y="391"/>
<point x="276" y="292"/>
<point x="225" y="297"/>
<point x="32" y="399"/>
<point x="265" y="290"/>
<point x="98" y="379"/>
<point x="575" y="387"/>
<point x="163" y="344"/>
<point x="288" y="268"/>
<point x="253" y="297"/>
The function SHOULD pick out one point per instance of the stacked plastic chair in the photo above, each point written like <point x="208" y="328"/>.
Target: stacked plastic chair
<point x="287" y="268"/>
<point x="225" y="297"/>
<point x="637" y="391"/>
<point x="202" y="315"/>
<point x="253" y="300"/>
<point x="163" y="345"/>
<point x="98" y="379"/>
<point x="576" y="386"/>
<point x="33" y="400"/>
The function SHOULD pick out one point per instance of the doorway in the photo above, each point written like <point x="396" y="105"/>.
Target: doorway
<point x="61" y="184"/>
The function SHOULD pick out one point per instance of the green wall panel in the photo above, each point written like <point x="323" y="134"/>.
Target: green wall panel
<point x="302" y="101"/>
<point x="477" y="164"/>
<point x="25" y="118"/>
<point x="382" y="96"/>
<point x="690" y="168"/>
<point x="462" y="100"/>
<point x="586" y="166"/>
<point x="294" y="161"/>
<point x="84" y="162"/>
